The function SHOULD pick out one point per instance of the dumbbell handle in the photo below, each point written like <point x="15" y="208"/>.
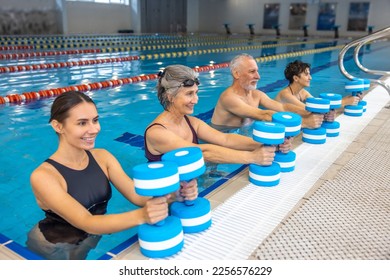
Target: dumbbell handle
<point x="189" y="202"/>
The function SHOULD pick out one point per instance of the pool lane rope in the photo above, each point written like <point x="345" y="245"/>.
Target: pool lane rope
<point x="156" y="42"/>
<point x="11" y="48"/>
<point x="29" y="96"/>
<point x="22" y="68"/>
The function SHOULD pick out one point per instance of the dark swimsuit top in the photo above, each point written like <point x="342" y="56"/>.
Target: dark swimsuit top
<point x="299" y="98"/>
<point x="89" y="186"/>
<point x="152" y="157"/>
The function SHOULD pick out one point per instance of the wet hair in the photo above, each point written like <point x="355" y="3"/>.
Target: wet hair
<point x="171" y="79"/>
<point x="237" y="60"/>
<point x="295" y="68"/>
<point x="66" y="101"/>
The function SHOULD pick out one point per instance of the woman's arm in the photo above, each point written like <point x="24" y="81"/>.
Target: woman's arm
<point x="230" y="147"/>
<point x="115" y="173"/>
<point x="222" y="147"/>
<point x="49" y="188"/>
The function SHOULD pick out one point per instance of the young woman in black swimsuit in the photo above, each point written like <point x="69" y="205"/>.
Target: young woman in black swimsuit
<point x="73" y="186"/>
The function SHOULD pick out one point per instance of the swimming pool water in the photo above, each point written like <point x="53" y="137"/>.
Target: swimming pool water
<point x="27" y="139"/>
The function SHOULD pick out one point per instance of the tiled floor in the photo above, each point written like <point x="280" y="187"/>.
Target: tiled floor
<point x="346" y="214"/>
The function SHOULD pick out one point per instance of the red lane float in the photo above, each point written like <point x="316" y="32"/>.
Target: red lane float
<point x="28" y="96"/>
<point x="21" y="68"/>
<point x="48" y="53"/>
<point x="11" y="48"/>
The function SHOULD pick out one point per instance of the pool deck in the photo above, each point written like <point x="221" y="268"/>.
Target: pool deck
<point x="334" y="205"/>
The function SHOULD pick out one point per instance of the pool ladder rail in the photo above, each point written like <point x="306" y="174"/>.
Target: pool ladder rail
<point x="358" y="43"/>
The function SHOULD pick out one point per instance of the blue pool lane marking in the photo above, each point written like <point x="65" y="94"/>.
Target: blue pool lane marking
<point x="18" y="249"/>
<point x="134" y="140"/>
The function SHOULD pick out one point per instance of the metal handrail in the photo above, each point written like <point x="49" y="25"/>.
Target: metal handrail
<point x="380" y="34"/>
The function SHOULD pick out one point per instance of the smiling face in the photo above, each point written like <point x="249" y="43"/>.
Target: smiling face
<point x="185" y="99"/>
<point x="303" y="78"/>
<point x="81" y="126"/>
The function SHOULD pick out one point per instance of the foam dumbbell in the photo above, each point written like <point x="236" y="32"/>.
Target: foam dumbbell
<point x="332" y="128"/>
<point x="166" y="237"/>
<point x="318" y="106"/>
<point x="363" y="103"/>
<point x="292" y="123"/>
<point x="355" y="87"/>
<point x="195" y="215"/>
<point x="267" y="133"/>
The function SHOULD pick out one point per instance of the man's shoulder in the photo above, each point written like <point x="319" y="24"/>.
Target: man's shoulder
<point x="227" y="94"/>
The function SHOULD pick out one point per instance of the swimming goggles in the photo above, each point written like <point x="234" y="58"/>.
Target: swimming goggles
<point x="186" y="83"/>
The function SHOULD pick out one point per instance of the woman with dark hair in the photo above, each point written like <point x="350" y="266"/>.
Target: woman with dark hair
<point x="298" y="75"/>
<point x="177" y="91"/>
<point x="73" y="186"/>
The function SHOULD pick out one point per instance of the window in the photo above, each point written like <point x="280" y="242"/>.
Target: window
<point x="124" y="2"/>
<point x="358" y="16"/>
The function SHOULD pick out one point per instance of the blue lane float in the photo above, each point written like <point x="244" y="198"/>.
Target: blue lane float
<point x="332" y="128"/>
<point x="166" y="237"/>
<point x="195" y="215"/>
<point x="267" y="133"/>
<point x="293" y="124"/>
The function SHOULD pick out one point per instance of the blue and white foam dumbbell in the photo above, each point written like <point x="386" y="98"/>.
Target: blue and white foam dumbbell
<point x="314" y="136"/>
<point x="332" y="128"/>
<point x="363" y="103"/>
<point x="335" y="100"/>
<point x="355" y="87"/>
<point x="318" y="106"/>
<point x="161" y="241"/>
<point x="292" y="123"/>
<point x="264" y="176"/>
<point x="353" y="110"/>
<point x="166" y="237"/>
<point x="267" y="133"/>
<point x="195" y="215"/>
<point x="367" y="84"/>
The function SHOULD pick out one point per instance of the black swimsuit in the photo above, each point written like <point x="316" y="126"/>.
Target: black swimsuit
<point x="90" y="187"/>
<point x="152" y="157"/>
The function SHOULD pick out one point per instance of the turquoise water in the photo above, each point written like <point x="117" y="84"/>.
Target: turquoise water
<point x="27" y="139"/>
